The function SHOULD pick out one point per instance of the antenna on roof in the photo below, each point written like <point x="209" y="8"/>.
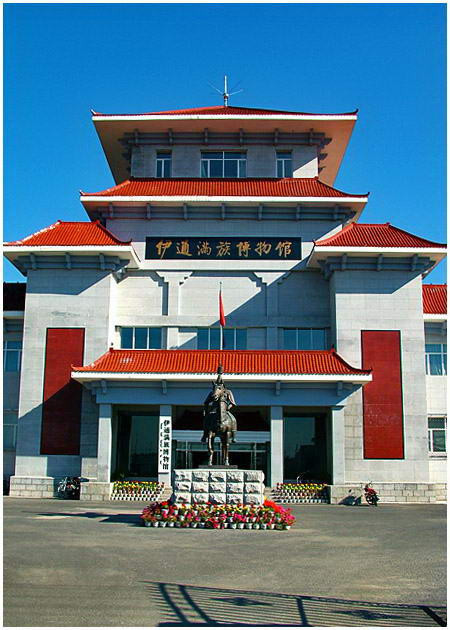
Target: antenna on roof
<point x="226" y="95"/>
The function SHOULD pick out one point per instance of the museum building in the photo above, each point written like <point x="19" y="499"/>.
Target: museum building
<point x="333" y="347"/>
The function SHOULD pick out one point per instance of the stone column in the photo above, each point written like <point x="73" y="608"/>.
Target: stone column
<point x="104" y="443"/>
<point x="338" y="444"/>
<point x="165" y="414"/>
<point x="276" y="445"/>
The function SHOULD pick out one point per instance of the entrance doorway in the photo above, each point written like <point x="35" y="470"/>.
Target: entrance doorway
<point x="245" y="455"/>
<point x="135" y="445"/>
<point x="252" y="448"/>
<point x="305" y="447"/>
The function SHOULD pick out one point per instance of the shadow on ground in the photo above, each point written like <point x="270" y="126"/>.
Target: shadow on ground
<point x="133" y="520"/>
<point x="184" y="605"/>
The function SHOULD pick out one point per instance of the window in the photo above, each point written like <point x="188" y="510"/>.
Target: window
<point x="163" y="164"/>
<point x="9" y="430"/>
<point x="436" y="359"/>
<point x="140" y="338"/>
<point x="284" y="164"/>
<point x="437" y="433"/>
<point x="304" y="338"/>
<point x="233" y="338"/>
<point x="12" y="355"/>
<point x="223" y="164"/>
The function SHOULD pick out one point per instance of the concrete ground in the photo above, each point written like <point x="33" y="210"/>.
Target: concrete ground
<point x="74" y="563"/>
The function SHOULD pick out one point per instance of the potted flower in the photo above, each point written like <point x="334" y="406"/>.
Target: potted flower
<point x="240" y="522"/>
<point x="288" y="521"/>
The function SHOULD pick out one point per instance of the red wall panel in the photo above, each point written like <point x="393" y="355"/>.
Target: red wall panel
<point x="61" y="413"/>
<point x="382" y="398"/>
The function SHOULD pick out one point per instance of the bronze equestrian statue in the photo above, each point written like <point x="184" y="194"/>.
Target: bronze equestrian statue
<point x="217" y="419"/>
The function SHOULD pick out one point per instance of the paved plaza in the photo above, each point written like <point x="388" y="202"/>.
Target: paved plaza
<point x="72" y="563"/>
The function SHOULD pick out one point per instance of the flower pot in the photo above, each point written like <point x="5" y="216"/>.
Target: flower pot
<point x="286" y="527"/>
<point x="147" y="524"/>
<point x="263" y="526"/>
<point x="177" y="524"/>
<point x="233" y="525"/>
<point x="193" y="525"/>
<point x="271" y="525"/>
<point x="155" y="524"/>
<point x="163" y="523"/>
<point x="255" y="525"/>
<point x="278" y="526"/>
<point x="248" y="525"/>
<point x="201" y="525"/>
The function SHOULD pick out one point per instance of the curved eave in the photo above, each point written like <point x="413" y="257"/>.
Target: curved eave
<point x="337" y="127"/>
<point x="11" y="252"/>
<point x="85" y="377"/>
<point x="92" y="202"/>
<point x="98" y="117"/>
<point x="437" y="253"/>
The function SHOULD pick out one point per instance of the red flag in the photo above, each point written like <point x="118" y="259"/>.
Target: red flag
<point x="221" y="311"/>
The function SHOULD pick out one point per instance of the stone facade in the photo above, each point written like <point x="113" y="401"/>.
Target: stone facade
<point x="393" y="492"/>
<point x="263" y="296"/>
<point x="218" y="486"/>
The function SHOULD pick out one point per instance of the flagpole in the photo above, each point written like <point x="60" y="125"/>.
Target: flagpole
<point x="221" y="327"/>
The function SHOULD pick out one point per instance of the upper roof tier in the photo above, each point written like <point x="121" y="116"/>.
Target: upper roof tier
<point x="290" y="187"/>
<point x="222" y="110"/>
<point x="70" y="233"/>
<point x="66" y="238"/>
<point x="299" y="365"/>
<point x="377" y="235"/>
<point x="118" y="130"/>
<point x="434" y="299"/>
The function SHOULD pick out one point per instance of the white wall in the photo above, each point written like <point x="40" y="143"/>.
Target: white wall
<point x="60" y="299"/>
<point x="383" y="301"/>
<point x="261" y="160"/>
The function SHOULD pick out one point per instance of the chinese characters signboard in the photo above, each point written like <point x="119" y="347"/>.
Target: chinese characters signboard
<point x="165" y="442"/>
<point x="223" y="248"/>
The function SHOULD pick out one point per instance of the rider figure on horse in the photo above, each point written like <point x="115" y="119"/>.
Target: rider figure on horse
<point x="219" y="393"/>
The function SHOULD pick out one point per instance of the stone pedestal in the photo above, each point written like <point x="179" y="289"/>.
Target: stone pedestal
<point x="225" y="485"/>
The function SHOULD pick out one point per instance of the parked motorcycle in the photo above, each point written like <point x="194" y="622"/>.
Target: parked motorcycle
<point x="370" y="495"/>
<point x="69" y="488"/>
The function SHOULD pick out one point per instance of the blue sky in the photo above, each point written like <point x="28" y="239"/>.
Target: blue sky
<point x="386" y="59"/>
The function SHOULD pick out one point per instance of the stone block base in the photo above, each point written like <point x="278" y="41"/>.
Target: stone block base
<point x="393" y="492"/>
<point x="201" y="485"/>
<point x="95" y="491"/>
<point x="34" y="487"/>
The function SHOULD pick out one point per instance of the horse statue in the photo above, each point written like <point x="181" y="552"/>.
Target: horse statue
<point x="217" y="419"/>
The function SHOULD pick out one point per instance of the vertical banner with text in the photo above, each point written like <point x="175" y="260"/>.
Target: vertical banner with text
<point x="164" y="444"/>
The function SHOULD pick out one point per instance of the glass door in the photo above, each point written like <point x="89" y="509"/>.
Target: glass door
<point x="137" y="446"/>
<point x="244" y="455"/>
<point x="305" y="448"/>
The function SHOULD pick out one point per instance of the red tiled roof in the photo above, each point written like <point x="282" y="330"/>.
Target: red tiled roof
<point x="14" y="296"/>
<point x="233" y="362"/>
<point x="222" y="187"/>
<point x="67" y="233"/>
<point x="375" y="235"/>
<point x="434" y="298"/>
<point x="221" y="110"/>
